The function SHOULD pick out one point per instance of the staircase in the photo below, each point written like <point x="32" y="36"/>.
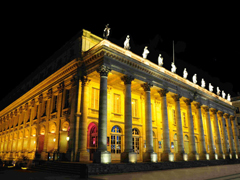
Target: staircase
<point x="62" y="167"/>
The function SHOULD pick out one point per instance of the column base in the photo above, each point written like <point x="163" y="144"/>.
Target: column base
<point x="103" y="157"/>
<point x="212" y="156"/>
<point x="220" y="156"/>
<point x="193" y="156"/>
<point x="128" y="157"/>
<point x="84" y="156"/>
<point x="203" y="156"/>
<point x="165" y="157"/>
<point x="181" y="156"/>
<point x="150" y="157"/>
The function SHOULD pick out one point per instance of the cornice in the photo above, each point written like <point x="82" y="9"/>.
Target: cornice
<point x="107" y="49"/>
<point x="37" y="90"/>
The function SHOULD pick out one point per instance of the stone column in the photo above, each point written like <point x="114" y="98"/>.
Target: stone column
<point x="202" y="148"/>
<point x="236" y="142"/>
<point x="149" y="155"/>
<point x="165" y="156"/>
<point x="83" y="155"/>
<point x="224" y="134"/>
<point x="180" y="154"/>
<point x="210" y="135"/>
<point x="102" y="155"/>
<point x="128" y="155"/>
<point x="217" y="133"/>
<point x="230" y="135"/>
<point x="192" y="149"/>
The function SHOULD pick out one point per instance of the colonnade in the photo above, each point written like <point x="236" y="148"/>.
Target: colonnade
<point x="103" y="156"/>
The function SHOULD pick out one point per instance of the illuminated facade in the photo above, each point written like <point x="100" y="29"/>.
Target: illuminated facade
<point x="96" y="101"/>
<point x="236" y="104"/>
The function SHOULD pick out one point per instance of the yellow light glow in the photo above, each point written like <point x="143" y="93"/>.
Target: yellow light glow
<point x="171" y="157"/>
<point x="54" y="139"/>
<point x="216" y="156"/>
<point x="207" y="156"/>
<point x="68" y="138"/>
<point x="24" y="168"/>
<point x="185" y="157"/>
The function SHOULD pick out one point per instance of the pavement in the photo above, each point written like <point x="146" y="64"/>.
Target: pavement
<point x="223" y="172"/>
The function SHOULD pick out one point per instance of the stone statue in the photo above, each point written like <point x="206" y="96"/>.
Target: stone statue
<point x="160" y="60"/>
<point x="210" y="87"/>
<point x="228" y="97"/>
<point x="203" y="84"/>
<point x="185" y="73"/>
<point x="145" y="52"/>
<point x="194" y="78"/>
<point x="218" y="91"/>
<point x="126" y="43"/>
<point x="106" y="32"/>
<point x="223" y="94"/>
<point x="174" y="68"/>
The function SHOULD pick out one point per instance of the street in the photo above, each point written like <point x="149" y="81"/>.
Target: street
<point x="199" y="173"/>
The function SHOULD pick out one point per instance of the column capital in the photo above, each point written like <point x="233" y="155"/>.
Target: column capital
<point x="103" y="70"/>
<point x="49" y="93"/>
<point x="206" y="108"/>
<point x="32" y="102"/>
<point x="220" y="113"/>
<point x="147" y="86"/>
<point x="85" y="80"/>
<point x="40" y="98"/>
<point x="61" y="87"/>
<point x="163" y="92"/>
<point x="188" y="101"/>
<point x="213" y="110"/>
<point x="226" y="115"/>
<point x="198" y="105"/>
<point x="176" y="97"/>
<point x="127" y="79"/>
<point x="232" y="117"/>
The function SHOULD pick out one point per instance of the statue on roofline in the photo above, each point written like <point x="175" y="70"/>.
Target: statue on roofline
<point x="218" y="91"/>
<point x="185" y="73"/>
<point x="203" y="84"/>
<point x="194" y="78"/>
<point x="145" y="52"/>
<point x="223" y="94"/>
<point x="106" y="32"/>
<point x="174" y="68"/>
<point x="210" y="87"/>
<point x="126" y="43"/>
<point x="160" y="60"/>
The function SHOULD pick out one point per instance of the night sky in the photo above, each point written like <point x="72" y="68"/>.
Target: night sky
<point x="206" y="38"/>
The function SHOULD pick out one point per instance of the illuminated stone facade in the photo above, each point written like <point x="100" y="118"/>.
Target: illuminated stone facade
<point x="100" y="102"/>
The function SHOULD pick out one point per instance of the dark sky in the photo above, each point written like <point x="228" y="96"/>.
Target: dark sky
<point x="206" y="37"/>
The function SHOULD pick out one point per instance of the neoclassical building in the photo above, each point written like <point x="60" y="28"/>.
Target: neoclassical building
<point x="96" y="101"/>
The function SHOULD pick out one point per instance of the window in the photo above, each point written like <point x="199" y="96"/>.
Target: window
<point x="54" y="106"/>
<point x="117" y="104"/>
<point x="186" y="144"/>
<point x="116" y="140"/>
<point x="174" y="116"/>
<point x="66" y="103"/>
<point x="134" y="108"/>
<point x="237" y="110"/>
<point x="135" y="140"/>
<point x="194" y="124"/>
<point x="184" y="119"/>
<point x="175" y="143"/>
<point x="44" y="108"/>
<point x="95" y="98"/>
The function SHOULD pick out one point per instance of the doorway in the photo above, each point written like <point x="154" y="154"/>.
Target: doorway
<point x="92" y="139"/>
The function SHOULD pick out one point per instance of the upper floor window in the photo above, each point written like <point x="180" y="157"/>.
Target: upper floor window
<point x="95" y="98"/>
<point x="66" y="103"/>
<point x="134" y="108"/>
<point x="117" y="103"/>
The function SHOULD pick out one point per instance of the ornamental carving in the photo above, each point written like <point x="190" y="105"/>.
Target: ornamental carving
<point x="49" y="93"/>
<point x="198" y="105"/>
<point x="226" y="116"/>
<point x="61" y="87"/>
<point x="147" y="86"/>
<point x="163" y="92"/>
<point x="188" y="101"/>
<point x="127" y="79"/>
<point x="232" y="117"/>
<point x="176" y="97"/>
<point x="206" y="108"/>
<point x="214" y="111"/>
<point x="103" y="70"/>
<point x="85" y="80"/>
<point x="220" y="113"/>
<point x="40" y="98"/>
<point x="33" y="102"/>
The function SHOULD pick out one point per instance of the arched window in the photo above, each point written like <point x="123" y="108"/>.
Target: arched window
<point x="135" y="140"/>
<point x="116" y="137"/>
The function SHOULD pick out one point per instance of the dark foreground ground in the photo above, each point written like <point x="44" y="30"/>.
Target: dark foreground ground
<point x="197" y="173"/>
